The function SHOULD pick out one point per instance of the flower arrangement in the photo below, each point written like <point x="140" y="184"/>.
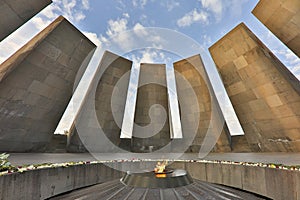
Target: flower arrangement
<point x="4" y="163"/>
<point x="7" y="168"/>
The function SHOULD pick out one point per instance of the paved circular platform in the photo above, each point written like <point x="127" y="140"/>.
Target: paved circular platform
<point x="173" y="178"/>
<point x="197" y="190"/>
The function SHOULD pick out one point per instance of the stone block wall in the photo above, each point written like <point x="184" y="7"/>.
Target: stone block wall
<point x="195" y="102"/>
<point x="97" y="127"/>
<point x="49" y="182"/>
<point x="151" y="90"/>
<point x="282" y="17"/>
<point x="15" y="13"/>
<point x="264" y="93"/>
<point x="36" y="84"/>
<point x="272" y="183"/>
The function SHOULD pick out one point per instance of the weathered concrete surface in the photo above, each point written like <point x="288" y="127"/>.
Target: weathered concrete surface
<point x="197" y="190"/>
<point x="14" y="13"/>
<point x="264" y="93"/>
<point x="273" y="183"/>
<point x="45" y="183"/>
<point x="201" y="115"/>
<point x="97" y="125"/>
<point x="38" y="158"/>
<point x="151" y="90"/>
<point x="239" y="143"/>
<point x="36" y="84"/>
<point x="282" y="17"/>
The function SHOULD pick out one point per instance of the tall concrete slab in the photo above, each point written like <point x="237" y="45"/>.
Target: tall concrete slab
<point x="36" y="84"/>
<point x="97" y="126"/>
<point x="14" y="13"/>
<point x="282" y="17"/>
<point x="201" y="116"/>
<point x="151" y="130"/>
<point x="264" y="93"/>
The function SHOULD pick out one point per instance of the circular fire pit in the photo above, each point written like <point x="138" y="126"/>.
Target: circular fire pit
<point x="168" y="179"/>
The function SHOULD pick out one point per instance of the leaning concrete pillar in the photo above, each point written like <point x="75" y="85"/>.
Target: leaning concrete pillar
<point x="151" y="122"/>
<point x="282" y="17"/>
<point x="196" y="101"/>
<point x="36" y="84"/>
<point x="97" y="126"/>
<point x="264" y="93"/>
<point x="13" y="14"/>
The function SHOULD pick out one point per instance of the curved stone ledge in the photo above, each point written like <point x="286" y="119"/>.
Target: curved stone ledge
<point x="268" y="182"/>
<point x="48" y="182"/>
<point x="44" y="183"/>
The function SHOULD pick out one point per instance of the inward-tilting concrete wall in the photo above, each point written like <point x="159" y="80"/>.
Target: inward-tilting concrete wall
<point x="152" y="89"/>
<point x="36" y="84"/>
<point x="197" y="118"/>
<point x="97" y="125"/>
<point x="264" y="93"/>
<point x="15" y="13"/>
<point x="273" y="183"/>
<point x="282" y="17"/>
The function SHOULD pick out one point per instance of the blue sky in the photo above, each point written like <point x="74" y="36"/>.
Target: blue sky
<point x="205" y="21"/>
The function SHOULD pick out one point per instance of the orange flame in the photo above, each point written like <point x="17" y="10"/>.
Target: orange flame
<point x="160" y="167"/>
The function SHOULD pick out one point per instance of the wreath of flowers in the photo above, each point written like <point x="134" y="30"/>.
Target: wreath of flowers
<point x="7" y="168"/>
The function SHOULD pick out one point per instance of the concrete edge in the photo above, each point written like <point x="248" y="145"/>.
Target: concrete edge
<point x="48" y="182"/>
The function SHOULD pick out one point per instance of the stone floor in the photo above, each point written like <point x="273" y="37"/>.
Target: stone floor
<point x="36" y="158"/>
<point x="195" y="191"/>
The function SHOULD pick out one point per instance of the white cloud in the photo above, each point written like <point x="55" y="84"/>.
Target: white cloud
<point x="218" y="7"/>
<point x="215" y="6"/>
<point x="235" y="7"/>
<point x="296" y="70"/>
<point x="140" y="30"/>
<point x="116" y="33"/>
<point x="290" y="60"/>
<point x="79" y="16"/>
<point x="51" y="12"/>
<point x="121" y="5"/>
<point x="40" y="23"/>
<point x="149" y="55"/>
<point x="192" y="17"/>
<point x="93" y="37"/>
<point x="206" y="41"/>
<point x="284" y="54"/>
<point x="85" y="4"/>
<point x="126" y="15"/>
<point x="68" y="8"/>
<point x="170" y="5"/>
<point x="16" y="40"/>
<point x="139" y="3"/>
<point x="116" y="26"/>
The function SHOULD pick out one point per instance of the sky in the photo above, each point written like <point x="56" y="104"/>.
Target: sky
<point x="204" y="21"/>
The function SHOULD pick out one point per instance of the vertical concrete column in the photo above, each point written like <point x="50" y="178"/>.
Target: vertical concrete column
<point x="151" y="126"/>
<point x="195" y="102"/>
<point x="282" y="17"/>
<point x="15" y="13"/>
<point x="264" y="93"/>
<point x="109" y="109"/>
<point x="97" y="127"/>
<point x="36" y="84"/>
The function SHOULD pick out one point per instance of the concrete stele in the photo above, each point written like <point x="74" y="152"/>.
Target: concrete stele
<point x="282" y="18"/>
<point x="36" y="84"/>
<point x="197" y="117"/>
<point x="13" y="14"/>
<point x="264" y="93"/>
<point x="152" y="89"/>
<point x="97" y="126"/>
